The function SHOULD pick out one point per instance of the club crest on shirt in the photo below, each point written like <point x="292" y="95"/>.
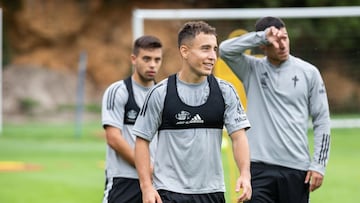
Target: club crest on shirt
<point x="132" y="114"/>
<point x="183" y="115"/>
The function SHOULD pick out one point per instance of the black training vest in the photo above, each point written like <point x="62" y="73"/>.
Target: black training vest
<point x="178" y="115"/>
<point x="131" y="108"/>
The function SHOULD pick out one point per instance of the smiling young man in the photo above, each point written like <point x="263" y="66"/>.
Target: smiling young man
<point x="188" y="111"/>
<point x="282" y="91"/>
<point x="121" y="104"/>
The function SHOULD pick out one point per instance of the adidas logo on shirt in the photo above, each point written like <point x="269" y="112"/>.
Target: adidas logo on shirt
<point x="196" y="119"/>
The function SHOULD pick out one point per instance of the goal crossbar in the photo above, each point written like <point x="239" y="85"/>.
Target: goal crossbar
<point x="139" y="15"/>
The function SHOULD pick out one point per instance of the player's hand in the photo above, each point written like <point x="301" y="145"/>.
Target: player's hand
<point x="243" y="184"/>
<point x="314" y="179"/>
<point x="150" y="195"/>
<point x="274" y="36"/>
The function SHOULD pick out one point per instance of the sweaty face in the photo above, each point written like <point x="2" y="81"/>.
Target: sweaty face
<point x="201" y="54"/>
<point x="147" y="63"/>
<point x="280" y="54"/>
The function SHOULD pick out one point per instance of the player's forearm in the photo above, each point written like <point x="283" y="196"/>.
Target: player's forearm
<point x="142" y="162"/>
<point x="243" y="163"/>
<point x="242" y="153"/>
<point x="321" y="150"/>
<point x="321" y="125"/>
<point x="235" y="46"/>
<point x="232" y="52"/>
<point x="126" y="152"/>
<point x="117" y="142"/>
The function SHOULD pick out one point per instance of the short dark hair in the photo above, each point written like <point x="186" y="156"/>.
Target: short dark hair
<point x="268" y="21"/>
<point x="193" y="28"/>
<point x="146" y="42"/>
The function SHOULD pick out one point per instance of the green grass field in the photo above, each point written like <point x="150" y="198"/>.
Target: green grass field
<point x="48" y="163"/>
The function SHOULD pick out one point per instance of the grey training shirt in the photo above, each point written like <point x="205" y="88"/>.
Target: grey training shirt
<point x="280" y="101"/>
<point x="189" y="160"/>
<point x="113" y="106"/>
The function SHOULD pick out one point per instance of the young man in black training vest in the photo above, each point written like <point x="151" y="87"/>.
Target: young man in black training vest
<point x="188" y="111"/>
<point x="121" y="104"/>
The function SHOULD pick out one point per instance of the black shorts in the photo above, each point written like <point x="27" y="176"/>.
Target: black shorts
<point x="276" y="184"/>
<point x="171" y="197"/>
<point x="122" y="190"/>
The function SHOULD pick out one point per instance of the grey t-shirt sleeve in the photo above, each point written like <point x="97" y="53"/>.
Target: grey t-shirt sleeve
<point x="113" y="102"/>
<point x="149" y="118"/>
<point x="234" y="117"/>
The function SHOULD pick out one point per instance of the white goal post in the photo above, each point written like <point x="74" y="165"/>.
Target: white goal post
<point x="1" y="74"/>
<point x="139" y="15"/>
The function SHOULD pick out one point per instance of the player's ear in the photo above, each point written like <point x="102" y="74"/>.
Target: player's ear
<point x="184" y="51"/>
<point x="262" y="48"/>
<point x="133" y="59"/>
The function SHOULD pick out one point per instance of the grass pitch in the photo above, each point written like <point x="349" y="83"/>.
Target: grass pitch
<point x="48" y="163"/>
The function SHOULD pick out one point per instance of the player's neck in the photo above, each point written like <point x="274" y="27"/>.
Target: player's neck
<point x="142" y="81"/>
<point x="190" y="78"/>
